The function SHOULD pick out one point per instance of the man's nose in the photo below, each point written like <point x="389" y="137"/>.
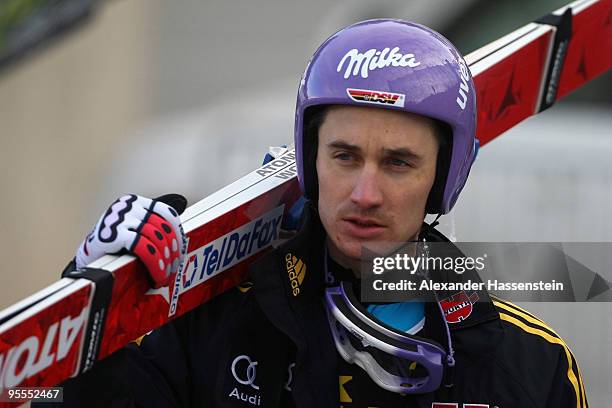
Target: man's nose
<point x="366" y="192"/>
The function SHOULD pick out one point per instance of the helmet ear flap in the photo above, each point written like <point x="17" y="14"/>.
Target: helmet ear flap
<point x="444" y="134"/>
<point x="314" y="117"/>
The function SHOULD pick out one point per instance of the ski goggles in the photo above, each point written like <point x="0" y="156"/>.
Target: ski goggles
<point x="396" y="361"/>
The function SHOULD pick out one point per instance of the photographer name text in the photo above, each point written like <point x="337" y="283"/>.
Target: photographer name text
<point x="469" y="285"/>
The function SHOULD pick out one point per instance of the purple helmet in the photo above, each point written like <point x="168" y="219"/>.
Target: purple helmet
<point x="393" y="64"/>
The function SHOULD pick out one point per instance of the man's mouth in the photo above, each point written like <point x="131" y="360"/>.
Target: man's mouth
<point x="364" y="222"/>
<point x="362" y="227"/>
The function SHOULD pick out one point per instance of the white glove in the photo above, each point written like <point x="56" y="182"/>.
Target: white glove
<point x="150" y="229"/>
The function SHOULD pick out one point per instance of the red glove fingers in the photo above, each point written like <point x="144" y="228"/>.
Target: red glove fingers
<point x="157" y="247"/>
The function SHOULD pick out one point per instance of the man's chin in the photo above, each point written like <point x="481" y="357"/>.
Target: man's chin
<point x="347" y="250"/>
<point x="358" y="251"/>
<point x="369" y="249"/>
<point x="350" y="251"/>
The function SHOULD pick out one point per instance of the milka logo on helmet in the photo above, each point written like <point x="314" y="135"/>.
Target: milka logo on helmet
<point x="361" y="63"/>
<point x="376" y="97"/>
<point x="463" y="86"/>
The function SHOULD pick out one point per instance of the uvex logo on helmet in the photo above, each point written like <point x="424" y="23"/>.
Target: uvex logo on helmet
<point x="463" y="85"/>
<point x="296" y="270"/>
<point x="362" y="63"/>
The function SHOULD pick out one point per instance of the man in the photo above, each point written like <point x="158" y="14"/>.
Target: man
<point x="385" y="124"/>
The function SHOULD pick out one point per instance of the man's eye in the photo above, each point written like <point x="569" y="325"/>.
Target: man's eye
<point x="343" y="156"/>
<point x="398" y="163"/>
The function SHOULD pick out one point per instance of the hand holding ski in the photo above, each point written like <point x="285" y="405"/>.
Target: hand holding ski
<point x="150" y="229"/>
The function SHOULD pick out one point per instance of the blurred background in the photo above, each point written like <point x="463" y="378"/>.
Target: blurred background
<point x="154" y="96"/>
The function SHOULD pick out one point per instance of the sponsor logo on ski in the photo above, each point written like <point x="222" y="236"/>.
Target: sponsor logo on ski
<point x="456" y="405"/>
<point x="95" y="336"/>
<point x="287" y="173"/>
<point x="296" y="270"/>
<point x="178" y="278"/>
<point x="361" y="63"/>
<point x="27" y="359"/>
<point x="459" y="306"/>
<point x="288" y="159"/>
<point x="555" y="74"/>
<point x="376" y="97"/>
<point x="464" y="73"/>
<point x="230" y="249"/>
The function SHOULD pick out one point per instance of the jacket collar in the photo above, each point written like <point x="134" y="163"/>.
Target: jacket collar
<point x="462" y="309"/>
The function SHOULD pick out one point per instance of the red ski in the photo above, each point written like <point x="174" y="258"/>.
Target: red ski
<point x="63" y="329"/>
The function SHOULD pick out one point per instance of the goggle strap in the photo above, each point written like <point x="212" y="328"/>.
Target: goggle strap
<point x="449" y="372"/>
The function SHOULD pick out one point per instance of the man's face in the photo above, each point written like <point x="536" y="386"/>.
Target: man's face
<point x="375" y="169"/>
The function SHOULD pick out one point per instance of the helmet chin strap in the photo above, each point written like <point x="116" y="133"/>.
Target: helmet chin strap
<point x="448" y="379"/>
<point x="428" y="227"/>
<point x="329" y="277"/>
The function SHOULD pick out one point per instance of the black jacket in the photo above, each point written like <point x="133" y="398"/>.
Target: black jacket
<point x="260" y="346"/>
